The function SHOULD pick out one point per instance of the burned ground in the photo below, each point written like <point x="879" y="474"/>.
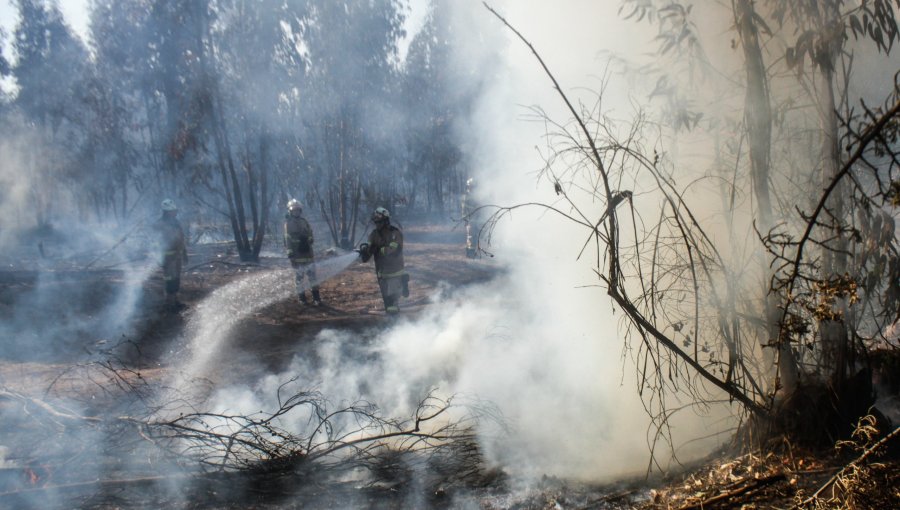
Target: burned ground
<point x="40" y="459"/>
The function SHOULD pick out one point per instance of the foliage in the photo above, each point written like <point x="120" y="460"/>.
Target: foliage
<point x="234" y="107"/>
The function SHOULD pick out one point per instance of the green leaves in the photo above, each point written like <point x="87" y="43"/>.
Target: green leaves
<point x="826" y="27"/>
<point x="878" y="23"/>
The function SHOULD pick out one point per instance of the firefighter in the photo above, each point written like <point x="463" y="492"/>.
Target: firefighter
<point x="386" y="246"/>
<point x="469" y="212"/>
<point x="173" y="252"/>
<point x="298" y="241"/>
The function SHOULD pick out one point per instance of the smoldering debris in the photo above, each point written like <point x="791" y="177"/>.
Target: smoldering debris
<point x="435" y="443"/>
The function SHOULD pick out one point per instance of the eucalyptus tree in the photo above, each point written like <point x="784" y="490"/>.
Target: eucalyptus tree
<point x="440" y="91"/>
<point x="838" y="296"/>
<point x="257" y="70"/>
<point x="821" y="317"/>
<point x="49" y="71"/>
<point x="675" y="281"/>
<point x="131" y="107"/>
<point x="350" y="127"/>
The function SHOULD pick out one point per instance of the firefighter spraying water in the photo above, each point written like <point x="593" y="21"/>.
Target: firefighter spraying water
<point x="386" y="246"/>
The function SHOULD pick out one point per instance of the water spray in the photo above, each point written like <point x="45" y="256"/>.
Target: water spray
<point x="210" y="325"/>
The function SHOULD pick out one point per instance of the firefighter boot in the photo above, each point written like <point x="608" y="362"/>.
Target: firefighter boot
<point x="317" y="299"/>
<point x="303" y="300"/>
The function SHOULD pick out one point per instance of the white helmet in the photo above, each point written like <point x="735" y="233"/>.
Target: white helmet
<point x="168" y="205"/>
<point x="381" y="214"/>
<point x="294" y="204"/>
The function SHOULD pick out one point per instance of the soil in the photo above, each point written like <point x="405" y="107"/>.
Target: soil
<point x="436" y="258"/>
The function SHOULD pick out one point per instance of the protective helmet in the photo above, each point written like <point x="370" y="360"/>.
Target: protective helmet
<point x="168" y="205"/>
<point x="381" y="214"/>
<point x="294" y="204"/>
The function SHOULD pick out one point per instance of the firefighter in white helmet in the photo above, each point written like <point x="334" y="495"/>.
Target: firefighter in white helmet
<point x="173" y="256"/>
<point x="298" y="241"/>
<point x="386" y="246"/>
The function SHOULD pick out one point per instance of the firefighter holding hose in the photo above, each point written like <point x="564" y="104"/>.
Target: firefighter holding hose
<point x="386" y="246"/>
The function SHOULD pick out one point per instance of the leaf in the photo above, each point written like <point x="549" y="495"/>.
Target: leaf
<point x="671" y="10"/>
<point x="662" y="85"/>
<point x="631" y="14"/>
<point x="855" y="26"/>
<point x="668" y="46"/>
<point x="697" y="118"/>
<point x="761" y="23"/>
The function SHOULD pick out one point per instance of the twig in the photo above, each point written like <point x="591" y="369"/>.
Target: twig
<point x="756" y="483"/>
<point x="120" y="241"/>
<point x="47" y="408"/>
<point x="859" y="460"/>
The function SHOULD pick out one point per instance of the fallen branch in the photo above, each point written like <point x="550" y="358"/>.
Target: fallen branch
<point x="107" y="252"/>
<point x="47" y="408"/>
<point x="859" y="460"/>
<point x="755" y="483"/>
<point x="67" y="487"/>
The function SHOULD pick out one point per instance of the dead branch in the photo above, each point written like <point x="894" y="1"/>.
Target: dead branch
<point x="687" y="271"/>
<point x="870" y="135"/>
<point x="47" y="408"/>
<point x="748" y="485"/>
<point x="868" y="452"/>
<point x="352" y="436"/>
<point x="116" y="245"/>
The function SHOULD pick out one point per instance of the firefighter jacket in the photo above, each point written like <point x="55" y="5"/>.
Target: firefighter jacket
<point x="386" y="245"/>
<point x="298" y="238"/>
<point x="170" y="239"/>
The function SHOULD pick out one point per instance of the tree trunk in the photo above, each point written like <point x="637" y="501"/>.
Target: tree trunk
<point x="834" y="333"/>
<point x="758" y="115"/>
<point x="259" y="230"/>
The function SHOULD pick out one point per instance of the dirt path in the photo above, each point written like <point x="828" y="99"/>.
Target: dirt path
<point x="59" y="312"/>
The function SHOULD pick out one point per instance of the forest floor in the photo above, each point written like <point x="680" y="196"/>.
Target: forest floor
<point x="436" y="258"/>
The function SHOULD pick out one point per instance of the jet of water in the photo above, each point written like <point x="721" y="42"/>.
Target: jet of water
<point x="210" y="324"/>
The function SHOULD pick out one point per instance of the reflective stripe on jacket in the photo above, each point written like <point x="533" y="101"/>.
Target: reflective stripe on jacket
<point x="386" y="245"/>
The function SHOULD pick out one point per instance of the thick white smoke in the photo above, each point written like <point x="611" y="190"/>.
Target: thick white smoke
<point x="541" y="343"/>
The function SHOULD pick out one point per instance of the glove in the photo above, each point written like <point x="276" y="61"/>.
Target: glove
<point x="364" y="252"/>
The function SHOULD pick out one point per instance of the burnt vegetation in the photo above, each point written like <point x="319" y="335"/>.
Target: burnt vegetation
<point x="778" y="299"/>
